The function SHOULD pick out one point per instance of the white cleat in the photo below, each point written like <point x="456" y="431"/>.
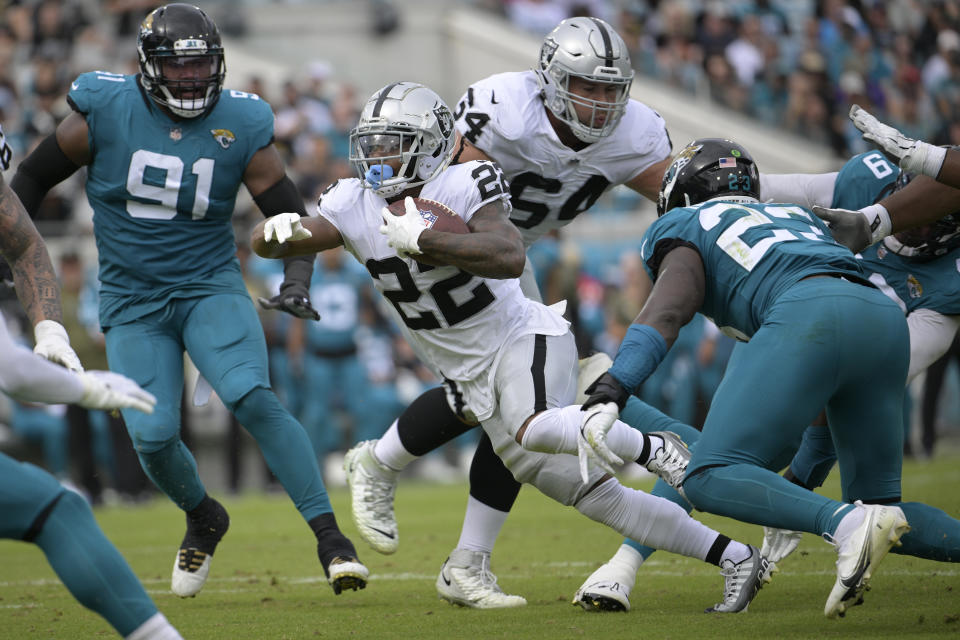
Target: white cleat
<point x="190" y="571"/>
<point x="372" y="488"/>
<point x="669" y="461"/>
<point x="465" y="579"/>
<point x="347" y="573"/>
<point x="590" y="369"/>
<point x="607" y="589"/>
<point x="777" y="545"/>
<point x="859" y="553"/>
<point x="741" y="582"/>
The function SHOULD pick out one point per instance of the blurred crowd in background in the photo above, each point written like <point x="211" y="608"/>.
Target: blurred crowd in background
<point x="795" y="65"/>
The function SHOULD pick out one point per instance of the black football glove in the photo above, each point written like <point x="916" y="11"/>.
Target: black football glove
<point x="294" y="296"/>
<point x="605" y="389"/>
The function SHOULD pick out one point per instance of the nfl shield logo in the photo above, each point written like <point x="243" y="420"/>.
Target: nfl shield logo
<point x="428" y="217"/>
<point x="176" y="133"/>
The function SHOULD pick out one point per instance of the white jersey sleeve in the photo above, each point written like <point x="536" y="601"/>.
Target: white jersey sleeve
<point x="805" y="189"/>
<point x="456" y="322"/>
<point x="30" y="378"/>
<point x="550" y="183"/>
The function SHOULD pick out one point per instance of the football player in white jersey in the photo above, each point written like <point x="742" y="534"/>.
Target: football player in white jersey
<point x="563" y="133"/>
<point x="507" y="362"/>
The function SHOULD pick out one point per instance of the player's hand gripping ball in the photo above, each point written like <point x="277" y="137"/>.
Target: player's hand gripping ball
<point x="436" y="216"/>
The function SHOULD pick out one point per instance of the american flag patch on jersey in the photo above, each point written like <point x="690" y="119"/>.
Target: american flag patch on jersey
<point x="728" y="163"/>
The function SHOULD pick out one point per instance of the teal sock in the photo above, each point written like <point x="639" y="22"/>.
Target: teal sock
<point x="933" y="534"/>
<point x="643" y="417"/>
<point x="174" y="471"/>
<point x="287" y="450"/>
<point x="91" y="567"/>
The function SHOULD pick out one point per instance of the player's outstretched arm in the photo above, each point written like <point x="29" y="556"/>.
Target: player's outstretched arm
<point x="24" y="249"/>
<point x="274" y="192"/>
<point x="492" y="249"/>
<point x="323" y="236"/>
<point x="921" y="202"/>
<point x="914" y="156"/>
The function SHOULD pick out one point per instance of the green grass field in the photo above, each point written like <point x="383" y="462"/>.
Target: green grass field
<point x="267" y="583"/>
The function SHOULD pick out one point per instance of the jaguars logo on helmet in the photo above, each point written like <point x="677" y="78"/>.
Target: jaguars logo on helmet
<point x="705" y="169"/>
<point x="177" y="35"/>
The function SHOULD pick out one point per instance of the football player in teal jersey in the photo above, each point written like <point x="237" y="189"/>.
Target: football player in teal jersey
<point x="166" y="151"/>
<point x="36" y="508"/>
<point x="919" y="269"/>
<point x="817" y="334"/>
<point x="929" y="197"/>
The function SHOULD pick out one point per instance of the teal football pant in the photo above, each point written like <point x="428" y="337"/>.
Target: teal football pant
<point x="823" y="342"/>
<point x="36" y="508"/>
<point x="225" y="341"/>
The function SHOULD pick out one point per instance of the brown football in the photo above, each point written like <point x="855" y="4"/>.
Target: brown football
<point x="436" y="215"/>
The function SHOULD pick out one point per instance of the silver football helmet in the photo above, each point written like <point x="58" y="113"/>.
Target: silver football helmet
<point x="590" y="49"/>
<point x="404" y="122"/>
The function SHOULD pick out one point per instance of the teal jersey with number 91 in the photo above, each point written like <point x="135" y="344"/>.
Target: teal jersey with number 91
<point x="751" y="253"/>
<point x="163" y="192"/>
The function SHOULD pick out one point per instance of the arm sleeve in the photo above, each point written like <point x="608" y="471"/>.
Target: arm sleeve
<point x="805" y="189"/>
<point x="931" y="334"/>
<point x="29" y="378"/>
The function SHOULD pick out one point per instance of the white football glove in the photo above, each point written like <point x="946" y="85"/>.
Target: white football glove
<point x="592" y="442"/>
<point x="109" y="390"/>
<point x="403" y="231"/>
<point x="53" y="344"/>
<point x="283" y="227"/>
<point x="913" y="156"/>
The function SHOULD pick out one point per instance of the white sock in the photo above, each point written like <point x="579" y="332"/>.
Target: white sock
<point x="156" y="627"/>
<point x="626" y="561"/>
<point x="556" y="431"/>
<point x="848" y="523"/>
<point x="650" y="520"/>
<point x="390" y="451"/>
<point x="735" y="552"/>
<point x="481" y="526"/>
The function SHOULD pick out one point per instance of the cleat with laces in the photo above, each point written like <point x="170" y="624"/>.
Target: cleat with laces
<point x="860" y="551"/>
<point x="346" y="573"/>
<point x="669" y="461"/>
<point x="206" y="526"/>
<point x="742" y="580"/>
<point x="372" y="488"/>
<point x="465" y="579"/>
<point x="777" y="545"/>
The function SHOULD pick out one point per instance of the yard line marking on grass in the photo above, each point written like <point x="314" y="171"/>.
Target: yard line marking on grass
<point x="406" y="576"/>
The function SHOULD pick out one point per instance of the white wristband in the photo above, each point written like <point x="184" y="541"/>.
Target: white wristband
<point x="878" y="220"/>
<point x="933" y="161"/>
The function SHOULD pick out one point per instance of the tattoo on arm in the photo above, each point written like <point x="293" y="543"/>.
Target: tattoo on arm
<point x="24" y="249"/>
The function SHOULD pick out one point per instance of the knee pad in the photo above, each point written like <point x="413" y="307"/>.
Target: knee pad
<point x="553" y="431"/>
<point x="256" y="407"/>
<point x="151" y="433"/>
